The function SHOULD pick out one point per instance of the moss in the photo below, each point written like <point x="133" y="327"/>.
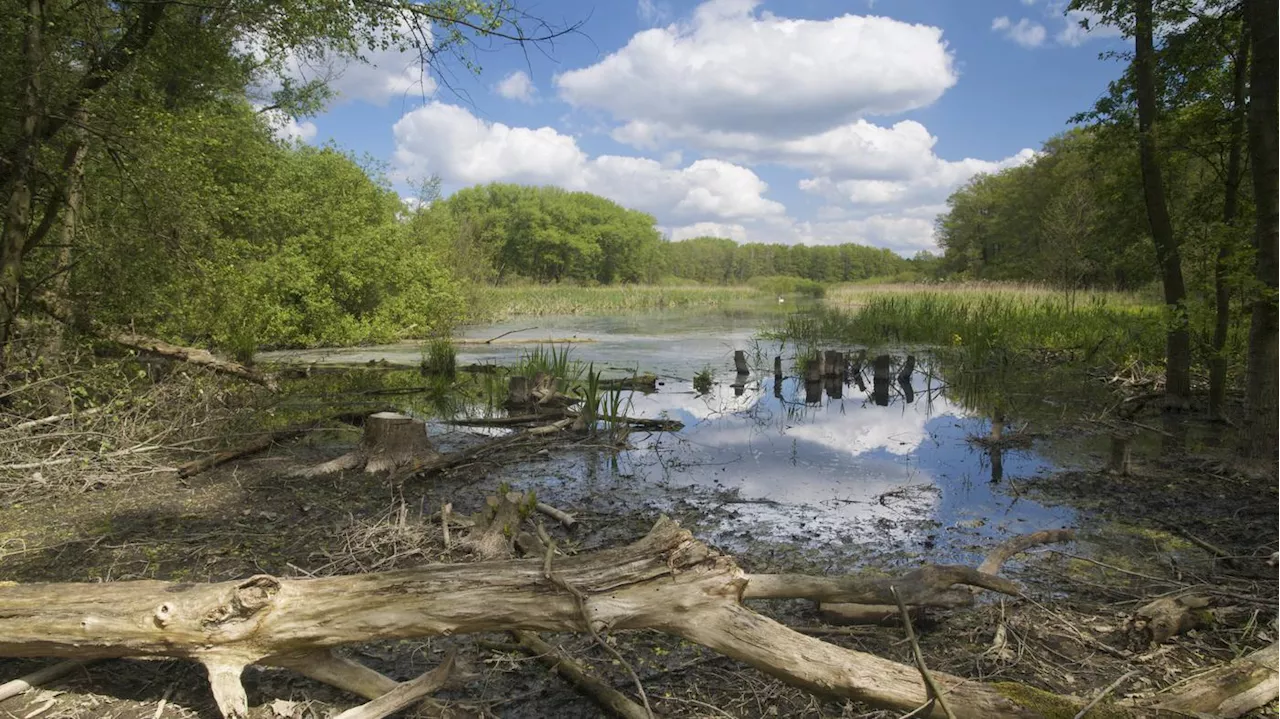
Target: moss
<point x="1056" y="706"/>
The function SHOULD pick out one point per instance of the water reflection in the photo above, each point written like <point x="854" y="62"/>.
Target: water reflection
<point x="838" y="458"/>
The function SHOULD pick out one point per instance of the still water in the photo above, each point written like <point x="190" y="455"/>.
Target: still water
<point x="902" y="462"/>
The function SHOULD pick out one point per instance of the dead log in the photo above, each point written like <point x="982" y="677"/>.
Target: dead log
<point x="667" y="581"/>
<point x="390" y="441"/>
<point x="1231" y="690"/>
<point x="191" y="355"/>
<point x="935" y="586"/>
<point x="641" y="382"/>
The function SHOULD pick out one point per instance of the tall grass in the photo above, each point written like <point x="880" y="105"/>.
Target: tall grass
<point x="496" y="303"/>
<point x="555" y="360"/>
<point x="986" y="321"/>
<point x="439" y="356"/>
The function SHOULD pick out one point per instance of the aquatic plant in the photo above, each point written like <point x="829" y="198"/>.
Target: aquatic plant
<point x="439" y="356"/>
<point x="497" y="303"/>
<point x="555" y="360"/>
<point x="703" y="379"/>
<point x="988" y="322"/>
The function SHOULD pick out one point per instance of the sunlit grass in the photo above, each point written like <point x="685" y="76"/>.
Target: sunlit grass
<point x="497" y="303"/>
<point x="987" y="320"/>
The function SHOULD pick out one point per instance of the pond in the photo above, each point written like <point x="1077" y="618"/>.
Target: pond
<point x="849" y="463"/>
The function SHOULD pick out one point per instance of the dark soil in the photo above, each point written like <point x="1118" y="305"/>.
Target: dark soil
<point x="1066" y="636"/>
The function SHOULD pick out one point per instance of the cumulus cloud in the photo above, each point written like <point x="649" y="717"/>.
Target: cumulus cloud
<point x="1073" y="32"/>
<point x="653" y="13"/>
<point x="449" y="141"/>
<point x="382" y="75"/>
<point x="1024" y="32"/>
<point x="929" y="185"/>
<point x="735" y="232"/>
<point x="517" y="86"/>
<point x="729" y="69"/>
<point x="288" y="129"/>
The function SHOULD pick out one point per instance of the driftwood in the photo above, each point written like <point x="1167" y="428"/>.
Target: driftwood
<point x="881" y="608"/>
<point x="192" y="355"/>
<point x="667" y="581"/>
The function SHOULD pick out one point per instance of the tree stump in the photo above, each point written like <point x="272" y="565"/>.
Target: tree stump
<point x="832" y="363"/>
<point x="390" y="441"/>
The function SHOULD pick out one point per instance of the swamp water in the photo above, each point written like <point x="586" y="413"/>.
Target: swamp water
<point x="905" y="466"/>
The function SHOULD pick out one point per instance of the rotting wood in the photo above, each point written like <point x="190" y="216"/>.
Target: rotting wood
<point x="191" y="355"/>
<point x="391" y="441"/>
<point x="936" y="589"/>
<point x="268" y="620"/>
<point x="404" y="694"/>
<point x="559" y="662"/>
<point x="39" y="677"/>
<point x="559" y="515"/>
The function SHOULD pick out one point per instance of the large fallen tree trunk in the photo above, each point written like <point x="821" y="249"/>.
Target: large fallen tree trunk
<point x="192" y="355"/>
<point x="667" y="581"/>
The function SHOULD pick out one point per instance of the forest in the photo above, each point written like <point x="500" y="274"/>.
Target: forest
<point x="279" y="442"/>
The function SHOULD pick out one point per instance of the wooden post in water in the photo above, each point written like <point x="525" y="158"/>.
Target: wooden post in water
<point x="908" y="368"/>
<point x="834" y="387"/>
<point x="518" y="392"/>
<point x="777" y="365"/>
<point x="777" y="376"/>
<point x="882" y="373"/>
<point x="740" y="362"/>
<point x="832" y="363"/>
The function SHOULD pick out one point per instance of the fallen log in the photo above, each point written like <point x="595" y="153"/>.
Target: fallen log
<point x="1230" y="690"/>
<point x="641" y="382"/>
<point x="191" y="355"/>
<point x="667" y="581"/>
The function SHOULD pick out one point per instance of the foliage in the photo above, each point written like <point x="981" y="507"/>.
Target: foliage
<point x="989" y="322"/>
<point x="722" y="261"/>
<point x="439" y="357"/>
<point x="495" y="303"/>
<point x="778" y="285"/>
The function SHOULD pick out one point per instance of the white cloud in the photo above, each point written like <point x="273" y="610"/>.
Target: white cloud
<point x="929" y="185"/>
<point x="1024" y="32"/>
<point x="731" y="70"/>
<point x="463" y="149"/>
<point x="286" y="128"/>
<point x="735" y="232"/>
<point x="382" y="75"/>
<point x="517" y="86"/>
<point x="1073" y="33"/>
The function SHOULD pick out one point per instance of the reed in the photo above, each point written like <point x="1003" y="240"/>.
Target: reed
<point x="983" y="321"/>
<point x="497" y="303"/>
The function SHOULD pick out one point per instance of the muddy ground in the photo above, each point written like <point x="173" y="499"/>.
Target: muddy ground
<point x="1137" y="542"/>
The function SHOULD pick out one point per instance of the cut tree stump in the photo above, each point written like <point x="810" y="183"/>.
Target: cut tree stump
<point x="390" y="441"/>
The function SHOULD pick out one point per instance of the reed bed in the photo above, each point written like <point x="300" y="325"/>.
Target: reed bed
<point x="981" y="321"/>
<point x="497" y="303"/>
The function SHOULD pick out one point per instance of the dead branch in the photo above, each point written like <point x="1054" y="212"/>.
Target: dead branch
<point x="37" y="678"/>
<point x="192" y="355"/>
<point x="53" y="419"/>
<point x="560" y="663"/>
<point x="1230" y="690"/>
<point x="935" y="694"/>
<point x="404" y="694"/>
<point x="559" y="515"/>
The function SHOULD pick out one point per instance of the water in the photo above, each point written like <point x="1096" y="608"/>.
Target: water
<point x="903" y="465"/>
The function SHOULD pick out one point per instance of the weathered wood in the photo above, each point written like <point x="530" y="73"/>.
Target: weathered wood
<point x="391" y="441"/>
<point x="1231" y="690"/>
<point x="404" y="694"/>
<point x="192" y="355"/>
<point x="559" y="515"/>
<point x="740" y="362"/>
<point x="832" y="363"/>
<point x="38" y="678"/>
<point x="667" y="581"/>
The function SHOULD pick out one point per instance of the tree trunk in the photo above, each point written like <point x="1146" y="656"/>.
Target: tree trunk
<point x="1230" y="208"/>
<point x="391" y="441"/>
<point x="1178" y="338"/>
<point x="1261" y="384"/>
<point x="667" y="581"/>
<point x="17" y="220"/>
<point x="60" y="292"/>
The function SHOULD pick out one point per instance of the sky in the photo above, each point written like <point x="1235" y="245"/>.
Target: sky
<point x="796" y="121"/>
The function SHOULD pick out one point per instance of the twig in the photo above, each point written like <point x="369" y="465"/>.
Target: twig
<point x="445" y="510"/>
<point x="31" y="424"/>
<point x="559" y="515"/>
<point x="164" y="700"/>
<point x="504" y="334"/>
<point x="935" y="694"/>
<point x="566" y="667"/>
<point x="581" y="600"/>
<point x="1110" y="688"/>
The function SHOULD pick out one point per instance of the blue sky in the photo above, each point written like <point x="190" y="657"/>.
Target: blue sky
<point x="806" y="121"/>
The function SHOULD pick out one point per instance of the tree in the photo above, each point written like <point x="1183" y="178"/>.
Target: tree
<point x="1178" y="337"/>
<point x="1260" y="409"/>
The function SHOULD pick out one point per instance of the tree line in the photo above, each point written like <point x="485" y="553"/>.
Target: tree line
<point x="1171" y="178"/>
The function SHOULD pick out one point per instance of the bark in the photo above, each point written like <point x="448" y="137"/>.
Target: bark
<point x="391" y="441"/>
<point x="667" y="581"/>
<point x="1230" y="209"/>
<point x="1231" y="690"/>
<point x="1260" y="404"/>
<point x="17" y="220"/>
<point x="192" y="355"/>
<point x="1168" y="255"/>
<point x="60" y="291"/>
